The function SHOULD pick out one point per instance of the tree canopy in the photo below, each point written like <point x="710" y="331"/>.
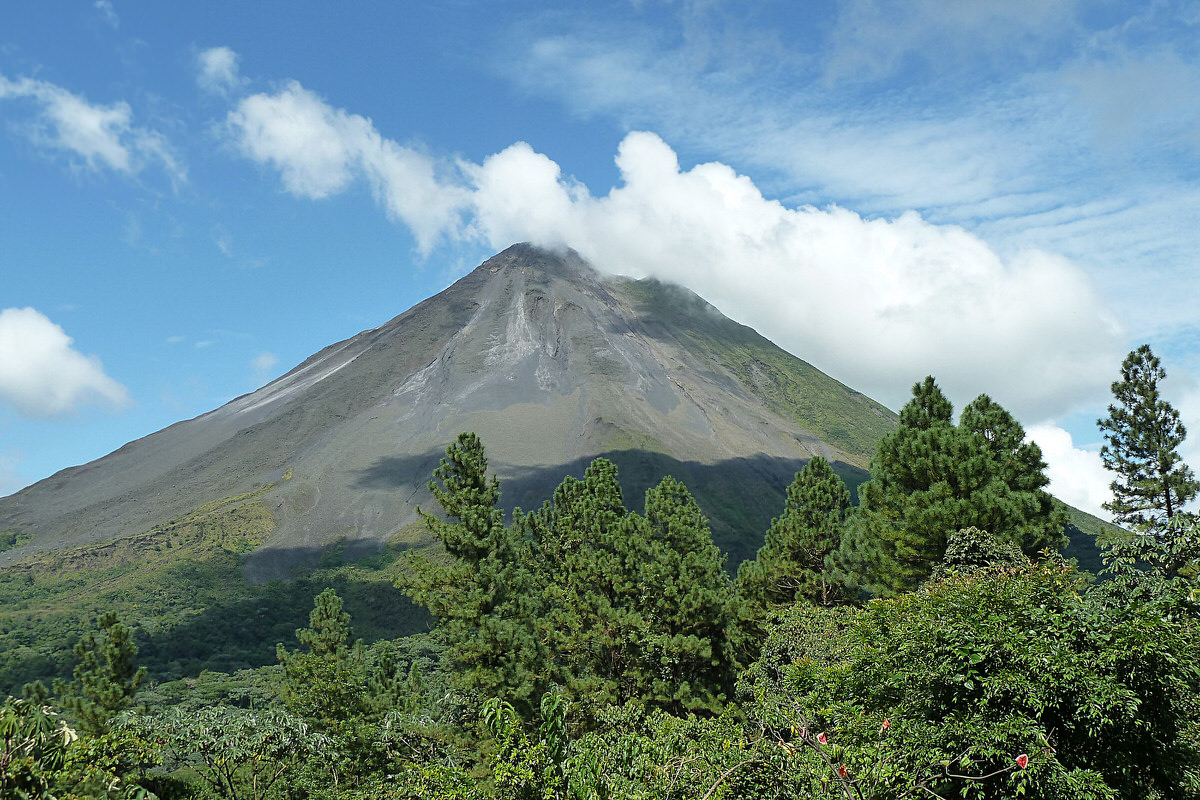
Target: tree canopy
<point x="1142" y="435"/>
<point x="931" y="477"/>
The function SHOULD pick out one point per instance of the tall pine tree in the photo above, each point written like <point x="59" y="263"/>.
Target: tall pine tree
<point x="105" y="677"/>
<point x="689" y="652"/>
<point x="327" y="683"/>
<point x="795" y="562"/>
<point x="483" y="593"/>
<point x="587" y="548"/>
<point x="1143" y="434"/>
<point x="638" y="608"/>
<point x="931" y="477"/>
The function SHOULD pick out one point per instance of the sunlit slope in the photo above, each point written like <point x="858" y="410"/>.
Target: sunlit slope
<point x="550" y="362"/>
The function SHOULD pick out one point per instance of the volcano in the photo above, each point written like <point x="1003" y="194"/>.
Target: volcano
<point x="549" y="361"/>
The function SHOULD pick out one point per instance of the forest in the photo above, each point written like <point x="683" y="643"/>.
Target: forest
<point x="928" y="642"/>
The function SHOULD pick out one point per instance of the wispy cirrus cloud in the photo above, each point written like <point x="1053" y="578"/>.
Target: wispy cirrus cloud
<point x="95" y="136"/>
<point x="320" y="150"/>
<point x="874" y="39"/>
<point x="107" y="12"/>
<point x="1055" y="125"/>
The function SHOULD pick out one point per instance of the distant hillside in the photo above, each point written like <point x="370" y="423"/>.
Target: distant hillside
<point x="1086" y="532"/>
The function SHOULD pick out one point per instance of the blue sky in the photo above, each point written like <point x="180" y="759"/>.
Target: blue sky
<point x="194" y="197"/>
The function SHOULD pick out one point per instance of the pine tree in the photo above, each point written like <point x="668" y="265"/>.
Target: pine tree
<point x="105" y="679"/>
<point x="484" y="595"/>
<point x="689" y="606"/>
<point x="931" y="477"/>
<point x="328" y="633"/>
<point x="588" y="550"/>
<point x="1013" y="503"/>
<point x="327" y="684"/>
<point x="1143" y="434"/>
<point x="795" y="562"/>
<point x="471" y="501"/>
<point x="637" y="607"/>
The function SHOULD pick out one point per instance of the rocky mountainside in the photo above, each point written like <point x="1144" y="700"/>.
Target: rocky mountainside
<point x="551" y="363"/>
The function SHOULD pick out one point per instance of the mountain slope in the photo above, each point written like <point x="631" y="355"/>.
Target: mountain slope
<point x="549" y="362"/>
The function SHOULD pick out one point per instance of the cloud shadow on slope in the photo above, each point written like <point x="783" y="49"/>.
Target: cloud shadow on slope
<point x="740" y="496"/>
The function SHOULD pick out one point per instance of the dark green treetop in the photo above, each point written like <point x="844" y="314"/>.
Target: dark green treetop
<point x="931" y="477"/>
<point x="689" y="654"/>
<point x="326" y="684"/>
<point x="638" y="608"/>
<point x="106" y="678"/>
<point x="588" y="549"/>
<point x="795" y="561"/>
<point x="1143" y="434"/>
<point x="328" y="633"/>
<point x="469" y="498"/>
<point x="484" y="595"/>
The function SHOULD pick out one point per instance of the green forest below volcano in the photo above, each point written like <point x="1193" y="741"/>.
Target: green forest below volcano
<point x="930" y="640"/>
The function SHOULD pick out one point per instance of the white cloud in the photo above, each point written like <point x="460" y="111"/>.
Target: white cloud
<point x="876" y="303"/>
<point x="100" y="135"/>
<point x="217" y="70"/>
<point x="319" y="151"/>
<point x="105" y="7"/>
<point x="1077" y="475"/>
<point x="42" y="375"/>
<point x="263" y="362"/>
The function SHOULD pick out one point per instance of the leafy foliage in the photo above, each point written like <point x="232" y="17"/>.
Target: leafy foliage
<point x="979" y="668"/>
<point x="241" y="754"/>
<point x="34" y="743"/>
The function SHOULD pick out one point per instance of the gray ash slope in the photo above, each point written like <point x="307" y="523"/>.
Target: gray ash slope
<point x="549" y="362"/>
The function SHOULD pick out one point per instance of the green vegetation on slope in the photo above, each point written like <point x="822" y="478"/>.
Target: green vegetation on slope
<point x="793" y="388"/>
<point x="180" y="586"/>
<point x="11" y="539"/>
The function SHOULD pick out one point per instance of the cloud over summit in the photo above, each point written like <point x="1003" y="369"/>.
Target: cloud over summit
<point x="878" y="303"/>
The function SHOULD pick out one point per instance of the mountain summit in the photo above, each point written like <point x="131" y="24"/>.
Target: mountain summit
<point x="551" y="363"/>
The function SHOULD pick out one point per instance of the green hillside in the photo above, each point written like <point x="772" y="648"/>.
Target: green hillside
<point x="796" y="390"/>
<point x="1085" y="533"/>
<point x="180" y="586"/>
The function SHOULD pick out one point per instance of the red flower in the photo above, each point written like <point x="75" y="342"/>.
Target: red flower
<point x="845" y="773"/>
<point x="887" y="723"/>
<point x="1022" y="761"/>
<point x="821" y="738"/>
